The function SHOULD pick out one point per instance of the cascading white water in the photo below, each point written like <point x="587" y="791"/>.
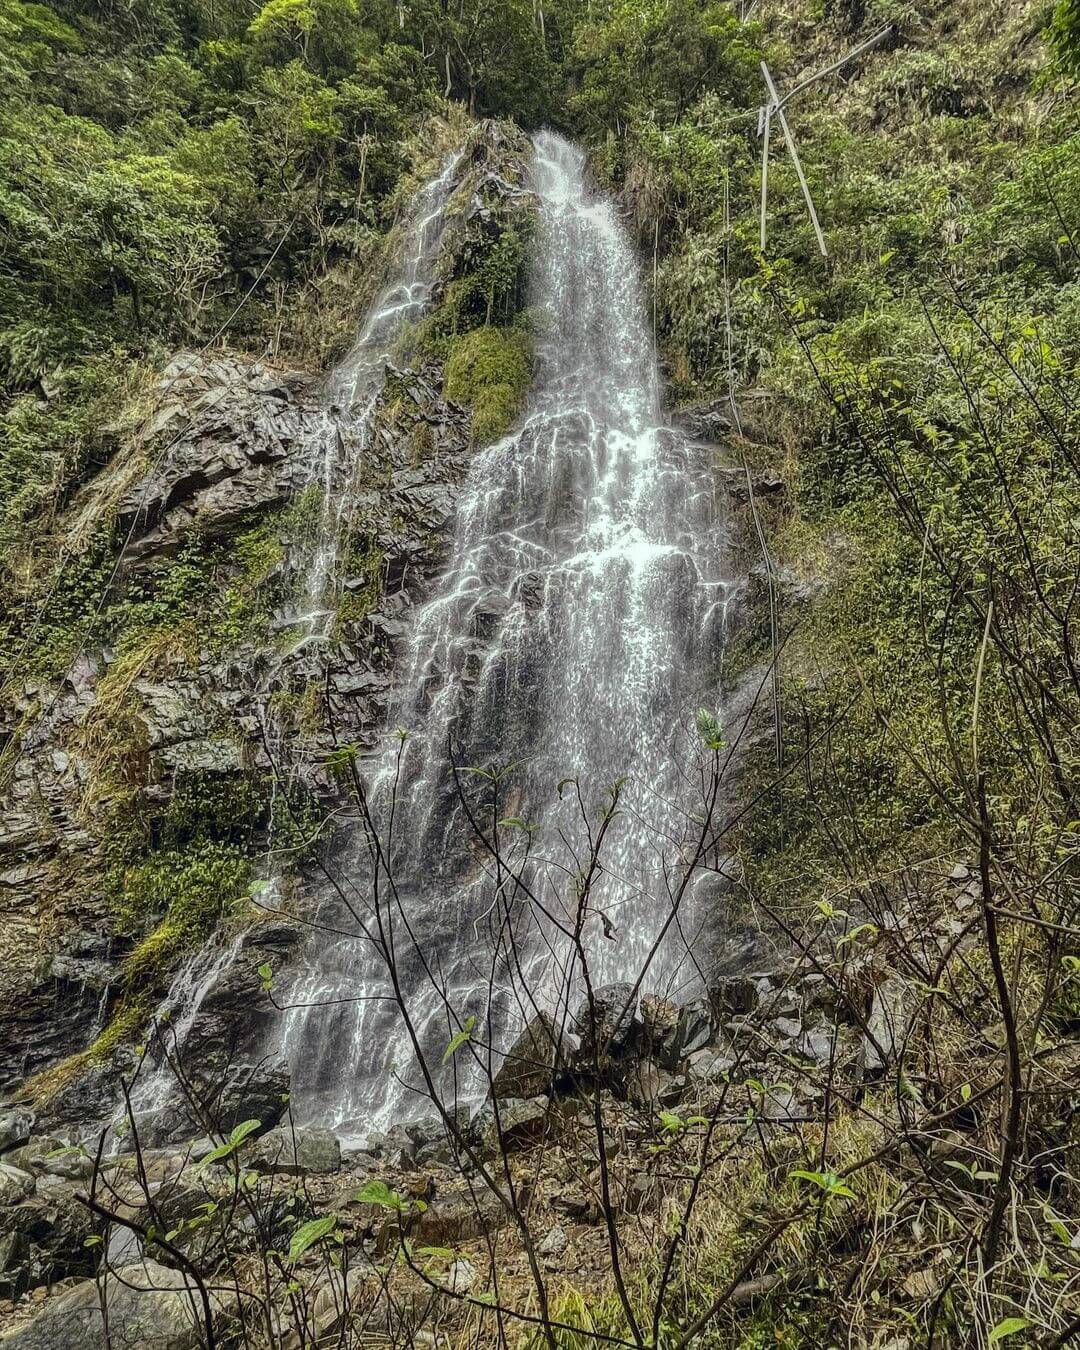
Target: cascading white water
<point x="571" y="634"/>
<point x="350" y="396"/>
<point x="175" y="1017"/>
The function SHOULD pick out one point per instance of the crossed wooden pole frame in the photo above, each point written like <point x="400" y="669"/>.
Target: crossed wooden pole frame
<point x="774" y="108"/>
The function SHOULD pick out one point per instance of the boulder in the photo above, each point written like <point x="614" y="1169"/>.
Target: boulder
<point x="14" y="1265"/>
<point x="293" y="1152"/>
<point x="888" y="1025"/>
<point x="52" y="1157"/>
<point x="163" y="1197"/>
<point x="608" y="1021"/>
<point x="223" y="1098"/>
<point x="532" y="1061"/>
<point x="659" y="1017"/>
<point x="733" y="996"/>
<point x="329" y="1305"/>
<point x="553" y="1243"/>
<point x="49" y="1228"/>
<point x="508" y="1126"/>
<point x="15" y="1185"/>
<point x="148" y="1307"/>
<point x="645" y="1082"/>
<point x="16" y="1125"/>
<point x="710" y="1066"/>
<point x="460" y="1217"/>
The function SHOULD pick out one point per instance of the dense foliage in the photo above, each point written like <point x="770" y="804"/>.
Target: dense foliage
<point x="176" y="172"/>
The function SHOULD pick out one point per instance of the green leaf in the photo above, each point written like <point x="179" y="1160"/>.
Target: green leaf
<point x="215" y="1155"/>
<point x="1009" y="1327"/>
<point x="266" y="974"/>
<point x="1057" y="1227"/>
<point x="309" y="1233"/>
<point x="241" y="1131"/>
<point x="829" y="1182"/>
<point x="710" y="730"/>
<point x="459" y="1039"/>
<point x="671" y="1121"/>
<point x="379" y="1193"/>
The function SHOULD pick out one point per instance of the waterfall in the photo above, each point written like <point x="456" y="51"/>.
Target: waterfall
<point x="572" y="634"/>
<point x="350" y="396"/>
<point x="175" y="1018"/>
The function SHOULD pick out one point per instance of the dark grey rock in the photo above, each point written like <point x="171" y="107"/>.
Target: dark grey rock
<point x="52" y="1157"/>
<point x="14" y="1265"/>
<point x="532" y="1061"/>
<point x="509" y="1126"/>
<point x="16" y="1185"/>
<point x="53" y="1225"/>
<point x="733" y="996"/>
<point x="887" y="1024"/>
<point x="148" y="1306"/>
<point x="609" y="1021"/>
<point x="294" y="1152"/>
<point x="16" y="1125"/>
<point x="693" y="1031"/>
<point x="223" y="1098"/>
<point x="705" y="421"/>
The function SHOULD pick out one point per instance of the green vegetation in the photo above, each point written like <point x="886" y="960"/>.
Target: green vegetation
<point x="488" y="370"/>
<point x="175" y="173"/>
<point x="191" y="890"/>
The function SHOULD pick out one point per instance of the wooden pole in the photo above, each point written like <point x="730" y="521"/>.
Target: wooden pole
<point x="766" y="123"/>
<point x="775" y="106"/>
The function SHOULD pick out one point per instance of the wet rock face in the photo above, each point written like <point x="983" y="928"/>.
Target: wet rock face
<point x="222" y="442"/>
<point x="220" y="1093"/>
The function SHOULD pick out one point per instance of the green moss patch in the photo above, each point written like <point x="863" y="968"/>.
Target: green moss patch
<point x="489" y="371"/>
<point x="192" y="889"/>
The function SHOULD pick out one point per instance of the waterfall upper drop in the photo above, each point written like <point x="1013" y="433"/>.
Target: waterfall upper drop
<point x="570" y="637"/>
<point x="350" y="399"/>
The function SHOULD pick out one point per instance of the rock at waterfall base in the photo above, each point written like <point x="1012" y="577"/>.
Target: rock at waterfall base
<point x="293" y="1152"/>
<point x="149" y="1307"/>
<point x="531" y="1062"/>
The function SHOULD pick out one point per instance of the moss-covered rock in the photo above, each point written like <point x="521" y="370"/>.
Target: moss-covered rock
<point x="489" y="370"/>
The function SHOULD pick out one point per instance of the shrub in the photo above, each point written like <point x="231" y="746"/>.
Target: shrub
<point x="488" y="370"/>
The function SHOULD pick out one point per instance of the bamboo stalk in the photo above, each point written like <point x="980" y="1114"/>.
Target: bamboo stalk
<point x="776" y="107"/>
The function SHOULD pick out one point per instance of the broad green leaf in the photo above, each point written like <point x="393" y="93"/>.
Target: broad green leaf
<point x="1008" y="1327"/>
<point x="459" y="1039"/>
<point x="379" y="1193"/>
<point x="215" y="1155"/>
<point x="828" y="1181"/>
<point x="309" y="1233"/>
<point x="241" y="1131"/>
